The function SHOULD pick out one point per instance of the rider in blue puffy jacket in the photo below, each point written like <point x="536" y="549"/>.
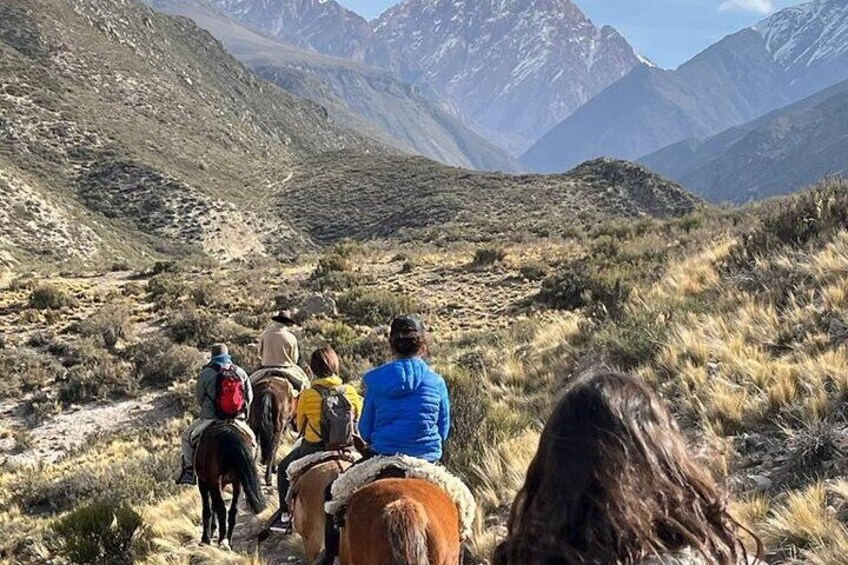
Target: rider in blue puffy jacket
<point x="406" y="410"/>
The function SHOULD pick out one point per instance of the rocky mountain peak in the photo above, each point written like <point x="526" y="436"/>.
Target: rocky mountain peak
<point x="324" y="26"/>
<point x="514" y="68"/>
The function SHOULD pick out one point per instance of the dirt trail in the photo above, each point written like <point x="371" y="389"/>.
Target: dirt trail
<point x="68" y="431"/>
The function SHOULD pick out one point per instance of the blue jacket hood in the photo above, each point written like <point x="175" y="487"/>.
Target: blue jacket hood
<point x="398" y="378"/>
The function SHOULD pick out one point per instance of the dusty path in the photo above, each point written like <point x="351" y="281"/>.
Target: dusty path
<point x="68" y="431"/>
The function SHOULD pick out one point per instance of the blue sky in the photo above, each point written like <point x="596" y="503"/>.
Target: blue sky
<point x="668" y="32"/>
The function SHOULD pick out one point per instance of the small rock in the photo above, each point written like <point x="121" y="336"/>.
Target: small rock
<point x="761" y="482"/>
<point x="21" y="461"/>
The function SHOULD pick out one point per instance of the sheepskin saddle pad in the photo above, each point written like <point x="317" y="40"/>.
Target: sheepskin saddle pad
<point x="366" y="472"/>
<point x="302" y="465"/>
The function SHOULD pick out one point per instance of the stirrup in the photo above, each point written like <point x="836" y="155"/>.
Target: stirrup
<point x="281" y="526"/>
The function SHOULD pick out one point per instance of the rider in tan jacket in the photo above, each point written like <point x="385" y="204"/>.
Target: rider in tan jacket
<point x="280" y="353"/>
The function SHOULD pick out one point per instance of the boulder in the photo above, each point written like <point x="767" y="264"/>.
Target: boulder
<point x="318" y="304"/>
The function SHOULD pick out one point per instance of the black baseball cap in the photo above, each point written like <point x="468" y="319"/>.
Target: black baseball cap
<point x="408" y="325"/>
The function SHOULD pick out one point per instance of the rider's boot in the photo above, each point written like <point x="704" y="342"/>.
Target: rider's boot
<point x="187" y="477"/>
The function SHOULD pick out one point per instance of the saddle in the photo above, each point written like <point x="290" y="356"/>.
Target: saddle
<point x="402" y="466"/>
<point x="301" y="466"/>
<point x="241" y="425"/>
<point x="280" y="373"/>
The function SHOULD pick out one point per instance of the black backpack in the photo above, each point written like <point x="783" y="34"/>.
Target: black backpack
<point x="337" y="417"/>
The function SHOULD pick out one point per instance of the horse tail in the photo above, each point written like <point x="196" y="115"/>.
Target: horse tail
<point x="236" y="451"/>
<point x="407" y="533"/>
<point x="267" y="426"/>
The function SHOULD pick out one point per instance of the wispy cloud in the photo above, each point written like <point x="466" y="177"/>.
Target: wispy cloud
<point x="759" y="6"/>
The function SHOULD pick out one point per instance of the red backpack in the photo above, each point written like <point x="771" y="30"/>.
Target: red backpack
<point x="229" y="393"/>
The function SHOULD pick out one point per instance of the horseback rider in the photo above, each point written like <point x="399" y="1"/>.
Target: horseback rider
<point x="324" y="365"/>
<point x="279" y="352"/>
<point x="406" y="409"/>
<point x="218" y="402"/>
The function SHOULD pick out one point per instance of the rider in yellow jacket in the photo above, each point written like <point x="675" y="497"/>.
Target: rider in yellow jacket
<point x="325" y="369"/>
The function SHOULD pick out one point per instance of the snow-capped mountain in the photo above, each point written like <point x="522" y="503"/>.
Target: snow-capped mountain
<point x="791" y="55"/>
<point x="810" y="42"/>
<point x="324" y="26"/>
<point x="514" y="68"/>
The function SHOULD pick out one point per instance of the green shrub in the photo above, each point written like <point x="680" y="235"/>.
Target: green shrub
<point x="100" y="532"/>
<point x="99" y="377"/>
<point x="804" y="219"/>
<point x="205" y="294"/>
<point x="195" y="327"/>
<point x="470" y="434"/>
<point x="333" y="273"/>
<point x="50" y="297"/>
<point x="347" y="249"/>
<point x="159" y="362"/>
<point x="534" y="271"/>
<point x="578" y="285"/>
<point x="374" y="307"/>
<point x="111" y="323"/>
<point x="632" y="341"/>
<point x="26" y="370"/>
<point x="488" y="256"/>
<point x="166" y="289"/>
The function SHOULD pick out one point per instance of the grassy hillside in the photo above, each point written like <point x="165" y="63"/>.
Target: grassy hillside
<point x="345" y="194"/>
<point x="103" y="97"/>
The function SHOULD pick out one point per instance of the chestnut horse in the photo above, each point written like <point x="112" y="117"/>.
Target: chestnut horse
<point x="273" y="408"/>
<point x="224" y="457"/>
<point x="400" y="522"/>
<point x="307" y="507"/>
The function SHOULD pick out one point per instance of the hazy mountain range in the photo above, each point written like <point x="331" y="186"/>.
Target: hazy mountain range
<point x="792" y="54"/>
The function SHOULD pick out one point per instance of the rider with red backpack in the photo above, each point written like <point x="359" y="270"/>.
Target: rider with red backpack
<point x="224" y="393"/>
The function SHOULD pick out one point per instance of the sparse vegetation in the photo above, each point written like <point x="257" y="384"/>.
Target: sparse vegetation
<point x="375" y="307"/>
<point x="100" y="533"/>
<point x="488" y="256"/>
<point x="50" y="297"/>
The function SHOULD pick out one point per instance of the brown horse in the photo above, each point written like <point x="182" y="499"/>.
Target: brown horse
<point x="224" y="457"/>
<point x="400" y="522"/>
<point x="308" y="504"/>
<point x="273" y="408"/>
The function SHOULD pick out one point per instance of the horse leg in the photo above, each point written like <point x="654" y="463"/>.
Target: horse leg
<point x="220" y="509"/>
<point x="272" y="467"/>
<point x="207" y="513"/>
<point x="233" y="512"/>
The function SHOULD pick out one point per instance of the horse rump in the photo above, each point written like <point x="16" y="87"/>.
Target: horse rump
<point x="406" y="524"/>
<point x="235" y="450"/>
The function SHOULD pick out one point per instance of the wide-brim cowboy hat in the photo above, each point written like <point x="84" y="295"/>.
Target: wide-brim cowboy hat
<point x="284" y="317"/>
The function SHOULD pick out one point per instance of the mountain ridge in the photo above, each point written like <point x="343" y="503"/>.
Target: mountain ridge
<point x="775" y="154"/>
<point x="733" y="81"/>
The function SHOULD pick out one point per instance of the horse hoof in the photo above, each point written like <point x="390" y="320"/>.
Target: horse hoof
<point x="225" y="545"/>
<point x="204" y="541"/>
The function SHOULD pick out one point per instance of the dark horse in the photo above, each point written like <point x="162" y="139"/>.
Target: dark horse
<point x="224" y="457"/>
<point x="274" y="406"/>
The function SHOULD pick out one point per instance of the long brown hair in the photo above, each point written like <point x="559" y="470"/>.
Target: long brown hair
<point x="613" y="482"/>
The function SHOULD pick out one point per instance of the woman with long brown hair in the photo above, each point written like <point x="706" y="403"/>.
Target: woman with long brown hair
<point x="613" y="483"/>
